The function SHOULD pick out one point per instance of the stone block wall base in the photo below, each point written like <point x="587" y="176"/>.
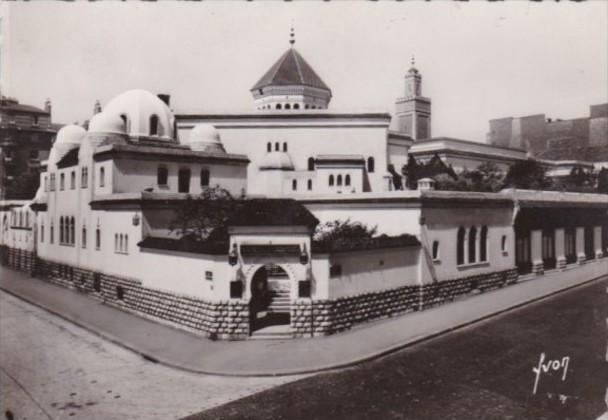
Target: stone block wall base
<point x="561" y="263"/>
<point x="332" y="316"/>
<point x="224" y="320"/>
<point x="538" y="267"/>
<point x="581" y="259"/>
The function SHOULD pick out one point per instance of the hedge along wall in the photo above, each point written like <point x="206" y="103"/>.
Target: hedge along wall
<point x="227" y="320"/>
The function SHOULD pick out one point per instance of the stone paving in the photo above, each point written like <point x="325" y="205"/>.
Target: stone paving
<point x="53" y="369"/>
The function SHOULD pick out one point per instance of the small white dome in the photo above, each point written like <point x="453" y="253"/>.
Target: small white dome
<point x="105" y="122"/>
<point x="68" y="137"/>
<point x="139" y="107"/>
<point x="205" y="138"/>
<point x="277" y="160"/>
<point x="70" y="134"/>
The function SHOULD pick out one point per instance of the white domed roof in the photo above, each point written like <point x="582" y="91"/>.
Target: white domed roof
<point x="70" y="134"/>
<point x="106" y="122"/>
<point x="68" y="137"/>
<point x="277" y="160"/>
<point x="139" y="107"/>
<point x="205" y="138"/>
<point x="204" y="132"/>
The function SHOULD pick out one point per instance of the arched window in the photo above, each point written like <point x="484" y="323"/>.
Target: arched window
<point x="503" y="243"/>
<point x="72" y="231"/>
<point x="46" y="185"/>
<point x="331" y="180"/>
<point x="72" y="180"/>
<point x="61" y="230"/>
<point x="204" y="177"/>
<point x="122" y="243"/>
<point x="311" y="164"/>
<point x="52" y="233"/>
<point x="347" y="180"/>
<point x="278" y="106"/>
<point x="126" y="244"/>
<point x="483" y="244"/>
<point x="97" y="238"/>
<point x="472" y="244"/>
<point x="277" y="146"/>
<point x="370" y="164"/>
<point x="83" y="240"/>
<point x="435" y="250"/>
<point x="306" y="106"/>
<point x="153" y="125"/>
<point x="287" y="106"/>
<point x="125" y="121"/>
<point x="339" y="181"/>
<point x="294" y="184"/>
<point x="116" y="242"/>
<point x="269" y="147"/>
<point x="284" y="146"/>
<point x="102" y="176"/>
<point x="27" y="219"/>
<point x="42" y="232"/>
<point x="296" y="106"/>
<point x="162" y="175"/>
<point x="310" y="185"/>
<point x="460" y="246"/>
<point x="62" y="181"/>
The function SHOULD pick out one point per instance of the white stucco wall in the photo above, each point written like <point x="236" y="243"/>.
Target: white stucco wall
<point x="136" y="175"/>
<point x="305" y="138"/>
<point x="441" y="224"/>
<point x="372" y="271"/>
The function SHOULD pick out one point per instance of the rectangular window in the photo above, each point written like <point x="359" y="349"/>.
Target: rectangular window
<point x="46" y="185"/>
<point x="102" y="176"/>
<point x="97" y="239"/>
<point x="209" y="275"/>
<point x="84" y="177"/>
<point x="162" y="176"/>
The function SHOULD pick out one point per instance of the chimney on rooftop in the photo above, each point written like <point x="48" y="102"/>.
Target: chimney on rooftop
<point x="96" y="107"/>
<point x="47" y="106"/>
<point x="165" y="98"/>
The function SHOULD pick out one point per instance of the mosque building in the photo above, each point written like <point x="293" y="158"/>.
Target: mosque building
<point x="103" y="219"/>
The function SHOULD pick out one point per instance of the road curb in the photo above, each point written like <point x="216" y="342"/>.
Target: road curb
<point x="289" y="372"/>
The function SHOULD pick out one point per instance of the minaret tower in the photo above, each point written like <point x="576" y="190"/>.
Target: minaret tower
<point x="413" y="111"/>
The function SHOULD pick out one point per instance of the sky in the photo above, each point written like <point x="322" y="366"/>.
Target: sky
<point x="478" y="60"/>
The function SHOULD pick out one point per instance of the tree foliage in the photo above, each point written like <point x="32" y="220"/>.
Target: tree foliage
<point x="528" y="175"/>
<point x="486" y="178"/>
<point x="197" y="216"/>
<point x="23" y="187"/>
<point x="338" y="231"/>
<point x="415" y="170"/>
<point x="602" y="181"/>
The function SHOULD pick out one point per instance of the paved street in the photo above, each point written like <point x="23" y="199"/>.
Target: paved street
<point x="480" y="372"/>
<point x="52" y="369"/>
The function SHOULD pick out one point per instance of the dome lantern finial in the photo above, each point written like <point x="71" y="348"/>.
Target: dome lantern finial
<point x="292" y="37"/>
<point x="413" y="61"/>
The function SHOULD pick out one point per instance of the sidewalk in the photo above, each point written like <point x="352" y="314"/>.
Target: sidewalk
<point x="187" y="351"/>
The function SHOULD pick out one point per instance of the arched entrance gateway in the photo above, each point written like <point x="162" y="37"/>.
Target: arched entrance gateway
<point x="270" y="302"/>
